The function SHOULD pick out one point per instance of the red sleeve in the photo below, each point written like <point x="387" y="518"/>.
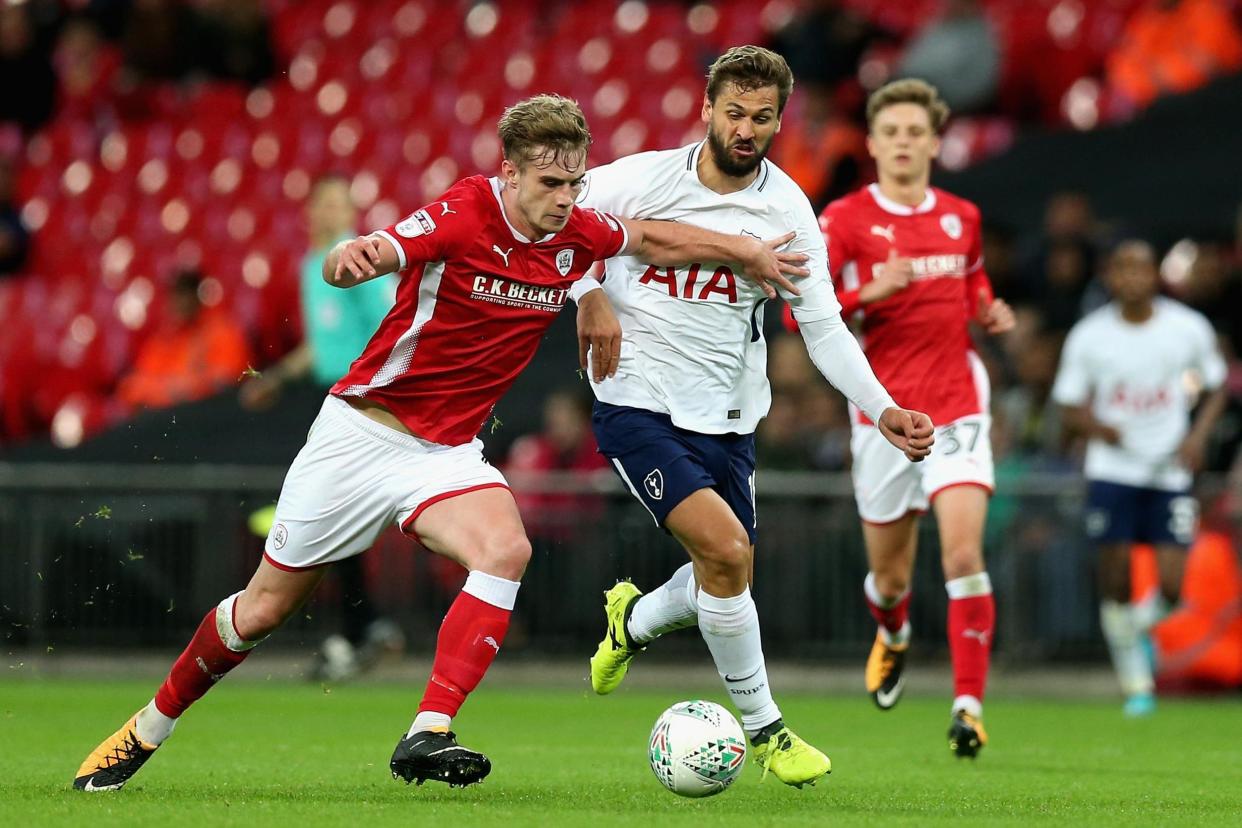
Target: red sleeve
<point x="787" y="319"/>
<point x="435" y="232"/>
<point x="850" y="303"/>
<point x="839" y="255"/>
<point x="977" y="280"/>
<point x="605" y="236"/>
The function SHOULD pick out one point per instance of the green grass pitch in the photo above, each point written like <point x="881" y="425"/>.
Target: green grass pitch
<point x="255" y="753"/>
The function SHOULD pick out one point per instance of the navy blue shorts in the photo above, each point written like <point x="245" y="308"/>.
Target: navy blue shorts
<point x="662" y="464"/>
<point x="1117" y="513"/>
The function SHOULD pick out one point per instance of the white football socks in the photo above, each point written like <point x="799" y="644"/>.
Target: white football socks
<point x="730" y="626"/>
<point x="427" y="720"/>
<point x="1123" y="634"/>
<point x="153" y="727"/>
<point x="671" y="606"/>
<point x="1150" y="610"/>
<point x="969" y="704"/>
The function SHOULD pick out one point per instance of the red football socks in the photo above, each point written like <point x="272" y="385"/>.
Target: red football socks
<point x="470" y="637"/>
<point x="971" y="621"/>
<point x="205" y="661"/>
<point x="890" y="616"/>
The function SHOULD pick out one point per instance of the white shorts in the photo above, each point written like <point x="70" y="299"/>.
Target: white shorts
<point x="887" y="485"/>
<point x="355" y="477"/>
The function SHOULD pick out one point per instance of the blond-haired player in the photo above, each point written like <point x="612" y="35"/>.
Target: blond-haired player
<point x="907" y="258"/>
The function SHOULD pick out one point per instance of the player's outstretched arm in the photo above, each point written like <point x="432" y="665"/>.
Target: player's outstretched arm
<point x="359" y="260"/>
<point x="673" y="243"/>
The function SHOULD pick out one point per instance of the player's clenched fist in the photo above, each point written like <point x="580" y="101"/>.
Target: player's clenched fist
<point x="910" y="431"/>
<point x="994" y="315"/>
<point x="599" y="335"/>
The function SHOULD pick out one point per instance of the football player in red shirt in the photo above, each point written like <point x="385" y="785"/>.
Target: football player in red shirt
<point x="485" y="269"/>
<point x="908" y="258"/>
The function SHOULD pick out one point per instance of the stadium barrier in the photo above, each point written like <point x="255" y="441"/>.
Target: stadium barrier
<point x="131" y="556"/>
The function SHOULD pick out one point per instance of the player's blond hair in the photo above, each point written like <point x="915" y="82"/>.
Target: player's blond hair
<point x="544" y="129"/>
<point x="909" y="90"/>
<point x="749" y="68"/>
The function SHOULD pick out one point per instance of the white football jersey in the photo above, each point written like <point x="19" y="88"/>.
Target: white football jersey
<point x="1136" y="378"/>
<point x="693" y="343"/>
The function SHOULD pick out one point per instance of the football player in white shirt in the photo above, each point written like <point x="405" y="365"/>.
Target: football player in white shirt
<point x="677" y="419"/>
<point x="1123" y="382"/>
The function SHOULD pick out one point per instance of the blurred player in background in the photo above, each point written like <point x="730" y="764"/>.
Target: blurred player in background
<point x="564" y="444"/>
<point x="908" y="257"/>
<point x="678" y="418"/>
<point x="337" y="325"/>
<point x="1123" y="380"/>
<point x="486" y="268"/>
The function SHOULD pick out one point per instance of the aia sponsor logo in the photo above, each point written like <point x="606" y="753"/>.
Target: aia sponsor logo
<point x="693" y="282"/>
<point x="1139" y="400"/>
<point x="512" y="294"/>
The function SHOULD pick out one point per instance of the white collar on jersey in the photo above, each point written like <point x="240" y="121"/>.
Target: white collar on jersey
<point x="890" y="206"/>
<point x="496" y="188"/>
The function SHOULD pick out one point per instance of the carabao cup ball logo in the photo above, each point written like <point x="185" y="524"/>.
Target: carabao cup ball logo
<point x="697" y="749"/>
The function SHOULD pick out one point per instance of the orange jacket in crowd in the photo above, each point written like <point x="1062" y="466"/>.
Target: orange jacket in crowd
<point x="187" y="362"/>
<point x="1200" y="642"/>
<point x="1174" y="48"/>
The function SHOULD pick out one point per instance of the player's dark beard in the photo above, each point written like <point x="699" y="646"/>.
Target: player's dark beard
<point x="725" y="162"/>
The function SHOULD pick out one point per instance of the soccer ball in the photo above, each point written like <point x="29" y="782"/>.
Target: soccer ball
<point x="697" y="748"/>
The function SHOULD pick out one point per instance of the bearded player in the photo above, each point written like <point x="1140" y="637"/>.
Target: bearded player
<point x="678" y="419"/>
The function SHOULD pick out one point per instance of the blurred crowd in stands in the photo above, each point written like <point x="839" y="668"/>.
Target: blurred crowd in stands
<point x="155" y="157"/>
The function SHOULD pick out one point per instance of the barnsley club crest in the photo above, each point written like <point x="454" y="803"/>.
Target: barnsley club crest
<point x="564" y="261"/>
<point x="951" y="224"/>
